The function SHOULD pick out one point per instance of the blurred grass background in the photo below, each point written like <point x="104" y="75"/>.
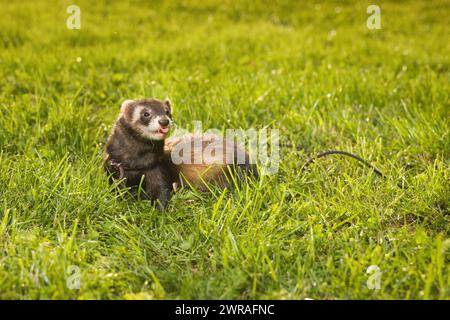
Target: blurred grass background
<point x="311" y="69"/>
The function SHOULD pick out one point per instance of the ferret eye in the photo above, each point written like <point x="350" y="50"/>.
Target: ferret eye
<point x="168" y="113"/>
<point x="146" y="114"/>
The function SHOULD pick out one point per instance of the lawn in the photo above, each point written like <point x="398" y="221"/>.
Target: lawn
<point x="313" y="70"/>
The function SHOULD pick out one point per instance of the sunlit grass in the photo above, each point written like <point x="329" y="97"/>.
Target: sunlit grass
<point x="313" y="71"/>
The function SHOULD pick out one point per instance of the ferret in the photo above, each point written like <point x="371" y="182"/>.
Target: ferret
<point x="138" y="152"/>
<point x="135" y="148"/>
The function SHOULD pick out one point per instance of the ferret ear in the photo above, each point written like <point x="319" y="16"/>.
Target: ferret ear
<point x="168" y="104"/>
<point x="124" y="108"/>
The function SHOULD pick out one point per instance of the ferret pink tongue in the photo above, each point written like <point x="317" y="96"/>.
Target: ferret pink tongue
<point x="164" y="130"/>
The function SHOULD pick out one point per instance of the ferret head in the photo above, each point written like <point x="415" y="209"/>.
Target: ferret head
<point x="149" y="118"/>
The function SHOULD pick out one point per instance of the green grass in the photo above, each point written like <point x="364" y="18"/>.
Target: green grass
<point x="312" y="70"/>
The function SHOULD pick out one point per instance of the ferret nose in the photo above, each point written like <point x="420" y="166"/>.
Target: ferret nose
<point x="163" y="122"/>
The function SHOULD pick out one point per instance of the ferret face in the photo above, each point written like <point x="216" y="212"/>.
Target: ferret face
<point x="150" y="118"/>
